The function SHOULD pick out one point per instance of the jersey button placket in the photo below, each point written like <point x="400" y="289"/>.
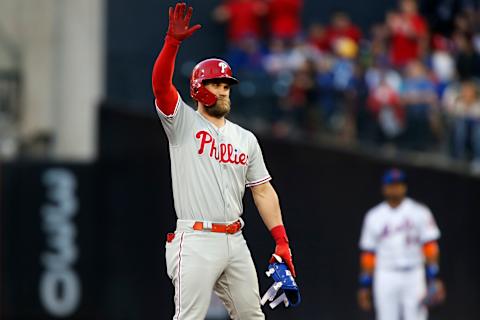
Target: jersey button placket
<point x="224" y="177"/>
<point x="226" y="190"/>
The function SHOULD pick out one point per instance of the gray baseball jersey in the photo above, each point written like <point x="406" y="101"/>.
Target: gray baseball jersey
<point x="210" y="166"/>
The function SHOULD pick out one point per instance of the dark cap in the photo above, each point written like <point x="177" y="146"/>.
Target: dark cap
<point x="394" y="176"/>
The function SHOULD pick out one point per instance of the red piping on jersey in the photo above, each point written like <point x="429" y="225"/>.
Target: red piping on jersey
<point x="165" y="93"/>
<point x="174" y="111"/>
<point x="258" y="182"/>
<point x="178" y="277"/>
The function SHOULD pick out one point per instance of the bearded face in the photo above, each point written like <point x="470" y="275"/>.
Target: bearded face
<point x="221" y="108"/>
<point x="221" y="89"/>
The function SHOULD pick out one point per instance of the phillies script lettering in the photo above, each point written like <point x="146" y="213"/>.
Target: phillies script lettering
<point x="223" y="153"/>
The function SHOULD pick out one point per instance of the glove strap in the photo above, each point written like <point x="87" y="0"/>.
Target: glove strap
<point x="282" y="298"/>
<point x="279" y="234"/>
<point x="271" y="293"/>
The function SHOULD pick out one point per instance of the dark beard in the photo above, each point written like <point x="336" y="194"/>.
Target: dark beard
<point x="220" y="109"/>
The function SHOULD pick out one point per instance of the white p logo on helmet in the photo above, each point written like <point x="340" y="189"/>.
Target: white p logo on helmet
<point x="223" y="65"/>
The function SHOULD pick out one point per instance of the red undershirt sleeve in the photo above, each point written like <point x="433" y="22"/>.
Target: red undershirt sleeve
<point x="166" y="94"/>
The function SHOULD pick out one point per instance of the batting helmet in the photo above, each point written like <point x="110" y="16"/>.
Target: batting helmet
<point x="209" y="69"/>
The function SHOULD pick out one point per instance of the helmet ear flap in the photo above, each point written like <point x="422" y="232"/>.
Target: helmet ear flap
<point x="201" y="94"/>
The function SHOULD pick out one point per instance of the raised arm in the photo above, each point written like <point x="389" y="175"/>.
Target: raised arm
<point x="178" y="30"/>
<point x="268" y="206"/>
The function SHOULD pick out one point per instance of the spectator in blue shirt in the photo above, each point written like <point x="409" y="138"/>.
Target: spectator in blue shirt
<point x="418" y="95"/>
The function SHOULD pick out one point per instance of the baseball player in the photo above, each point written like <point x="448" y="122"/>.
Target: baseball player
<point x="399" y="255"/>
<point x="212" y="162"/>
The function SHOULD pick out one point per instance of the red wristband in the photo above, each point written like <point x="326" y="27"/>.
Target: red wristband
<point x="171" y="40"/>
<point x="279" y="234"/>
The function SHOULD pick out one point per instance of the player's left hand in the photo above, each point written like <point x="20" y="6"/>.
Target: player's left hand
<point x="436" y="293"/>
<point x="179" y="21"/>
<point x="283" y="251"/>
<point x="364" y="299"/>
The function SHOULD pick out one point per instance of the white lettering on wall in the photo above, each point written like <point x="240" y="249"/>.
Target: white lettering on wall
<point x="60" y="287"/>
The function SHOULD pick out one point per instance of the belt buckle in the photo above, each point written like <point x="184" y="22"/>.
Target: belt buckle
<point x="233" y="228"/>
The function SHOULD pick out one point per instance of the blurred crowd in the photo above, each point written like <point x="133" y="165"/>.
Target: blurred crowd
<point x="409" y="83"/>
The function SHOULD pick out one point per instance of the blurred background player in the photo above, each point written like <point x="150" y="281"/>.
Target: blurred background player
<point x="212" y="160"/>
<point x="399" y="255"/>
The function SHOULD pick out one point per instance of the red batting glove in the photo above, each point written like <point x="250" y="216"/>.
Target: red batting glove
<point x="179" y="21"/>
<point x="282" y="249"/>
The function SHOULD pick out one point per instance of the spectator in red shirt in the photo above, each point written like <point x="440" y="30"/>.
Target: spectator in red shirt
<point x="317" y="37"/>
<point x="244" y="18"/>
<point x="342" y="27"/>
<point x="284" y="18"/>
<point x="408" y="34"/>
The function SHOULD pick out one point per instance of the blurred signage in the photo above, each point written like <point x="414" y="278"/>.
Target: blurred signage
<point x="59" y="286"/>
<point x="48" y="263"/>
